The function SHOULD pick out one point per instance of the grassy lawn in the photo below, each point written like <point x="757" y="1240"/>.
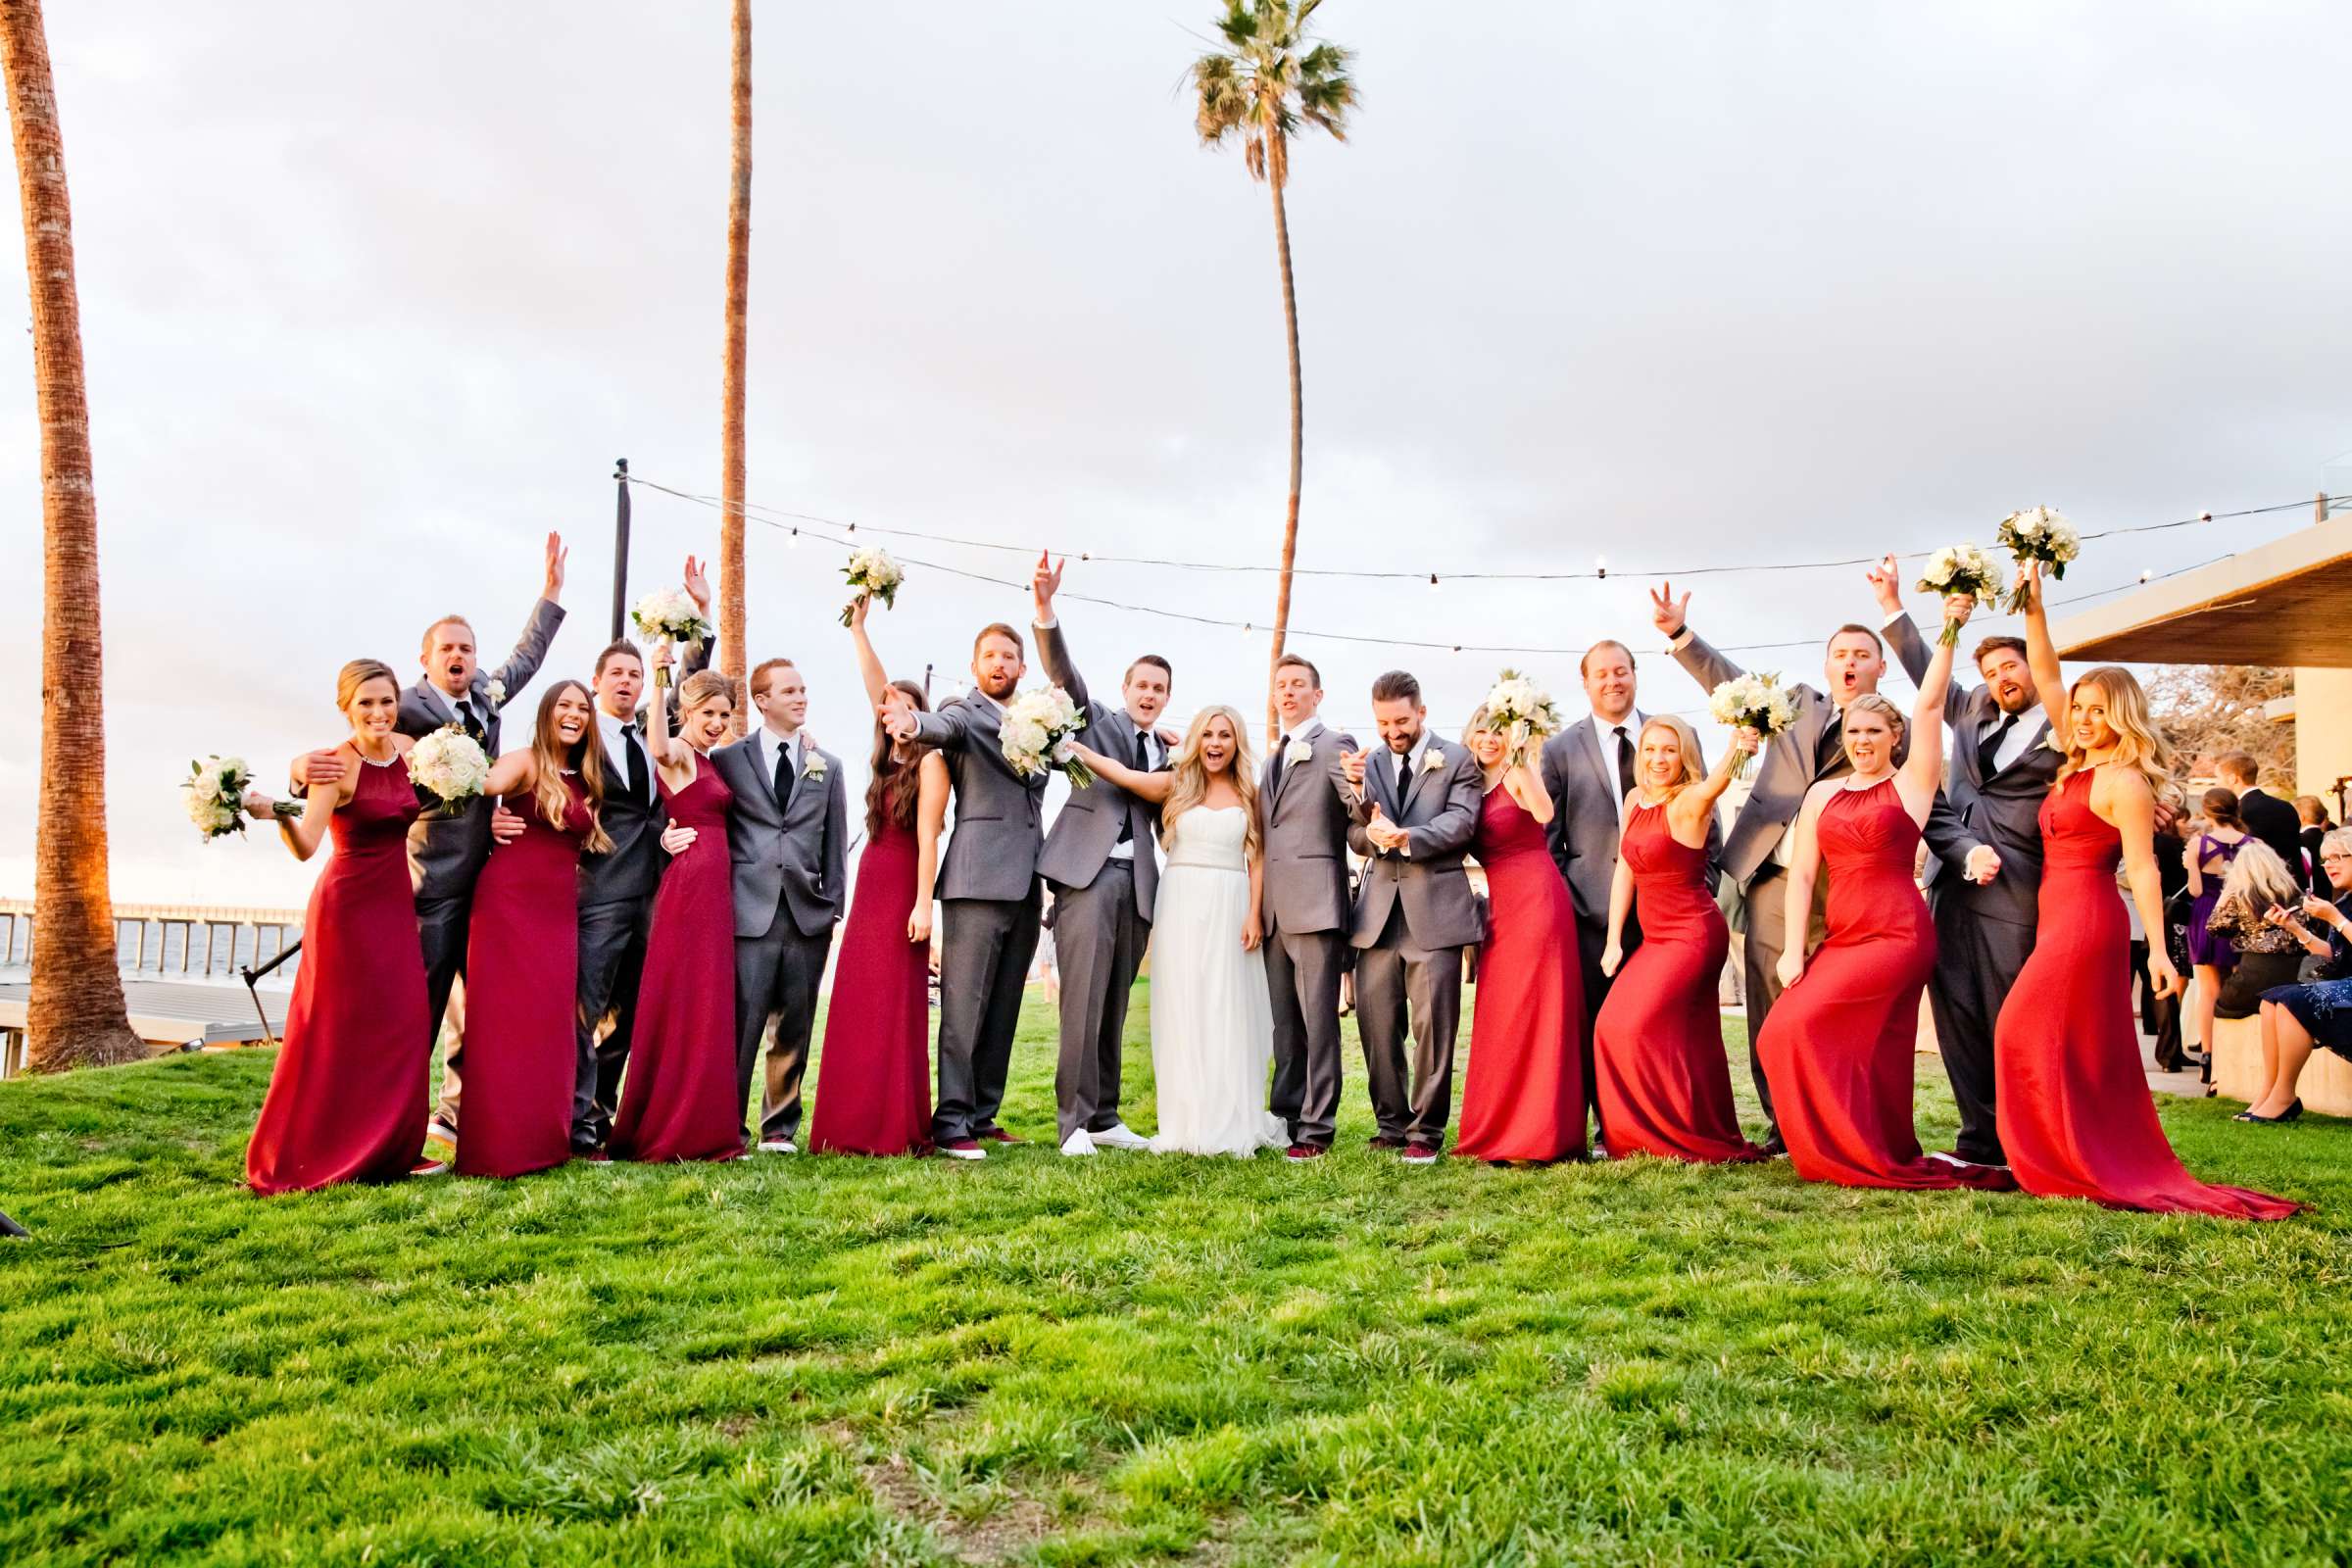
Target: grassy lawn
<point x="828" y="1361"/>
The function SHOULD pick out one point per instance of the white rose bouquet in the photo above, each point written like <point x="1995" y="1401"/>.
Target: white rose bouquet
<point x="669" y="616"/>
<point x="874" y="576"/>
<point x="213" y="793"/>
<point x="449" y="764"/>
<point x="1521" y="711"/>
<point x="1753" y="702"/>
<point x="2038" y="534"/>
<point x="1037" y="730"/>
<point x="1960" y="569"/>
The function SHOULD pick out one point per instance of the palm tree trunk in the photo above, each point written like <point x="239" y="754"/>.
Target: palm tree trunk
<point x="732" y="616"/>
<point x="1278" y="171"/>
<point x="75" y="1015"/>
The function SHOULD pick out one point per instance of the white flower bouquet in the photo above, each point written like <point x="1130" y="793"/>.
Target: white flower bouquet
<point x="1037" y="730"/>
<point x="1753" y="702"/>
<point x="213" y="793"/>
<point x="2038" y="534"/>
<point x="669" y="616"/>
<point x="449" y="764"/>
<point x="874" y="576"/>
<point x="1521" y="711"/>
<point x="1959" y="569"/>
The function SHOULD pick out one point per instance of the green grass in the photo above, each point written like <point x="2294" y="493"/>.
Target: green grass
<point x="826" y="1362"/>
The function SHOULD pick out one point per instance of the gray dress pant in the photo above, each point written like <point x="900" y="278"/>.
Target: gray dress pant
<point x="985" y="948"/>
<point x="1976" y="962"/>
<point x="1099" y="942"/>
<point x="776" y="979"/>
<point x="1303" y="969"/>
<point x="1397" y="982"/>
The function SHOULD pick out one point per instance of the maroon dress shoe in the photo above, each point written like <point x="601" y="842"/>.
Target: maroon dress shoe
<point x="998" y="1135"/>
<point x="1302" y="1153"/>
<point x="1420" y="1153"/>
<point x="962" y="1149"/>
<point x="1382" y="1141"/>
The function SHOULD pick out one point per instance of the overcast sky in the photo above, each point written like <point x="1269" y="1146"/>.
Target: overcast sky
<point x="373" y="297"/>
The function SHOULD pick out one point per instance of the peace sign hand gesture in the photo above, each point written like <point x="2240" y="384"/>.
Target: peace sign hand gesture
<point x="1667" y="613"/>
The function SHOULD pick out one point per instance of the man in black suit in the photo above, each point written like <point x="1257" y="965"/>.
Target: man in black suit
<point x="1984" y="838"/>
<point x="2268" y="817"/>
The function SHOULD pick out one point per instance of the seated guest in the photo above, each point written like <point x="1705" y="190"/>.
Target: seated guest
<point x="2265" y="954"/>
<point x="2316" y="1011"/>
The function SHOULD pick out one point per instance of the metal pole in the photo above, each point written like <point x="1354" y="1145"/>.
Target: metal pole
<point x="620" y="547"/>
<point x="926" y="683"/>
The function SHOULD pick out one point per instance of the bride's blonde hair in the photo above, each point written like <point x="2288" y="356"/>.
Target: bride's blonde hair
<point x="2138" y="743"/>
<point x="1191" y="776"/>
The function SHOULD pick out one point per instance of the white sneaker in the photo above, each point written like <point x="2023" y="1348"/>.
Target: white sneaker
<point x="777" y="1146"/>
<point x="1118" y="1135"/>
<point x="1078" y="1143"/>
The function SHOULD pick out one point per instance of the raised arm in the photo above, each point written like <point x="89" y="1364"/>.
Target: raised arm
<point x="1692" y="813"/>
<point x="1155" y="787"/>
<point x="1902" y="633"/>
<point x="1923" y="769"/>
<point x="1804" y="869"/>
<point x="1052" y="650"/>
<point x="1671" y="614"/>
<point x="869" y="662"/>
<point x="2042" y="656"/>
<point x="547" y="614"/>
<point x="669" y="752"/>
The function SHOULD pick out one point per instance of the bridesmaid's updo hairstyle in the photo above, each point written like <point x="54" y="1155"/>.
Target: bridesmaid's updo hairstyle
<point x="1695" y="763"/>
<point x="699" y="688"/>
<point x="551" y="758"/>
<point x="1873" y="703"/>
<point x="2221" y="804"/>
<point x="358" y="673"/>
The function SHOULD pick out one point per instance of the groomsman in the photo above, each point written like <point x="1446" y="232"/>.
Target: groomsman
<point x="788" y="835"/>
<point x="1416" y="807"/>
<point x="1306" y="806"/>
<point x="448" y="844"/>
<point x="990" y="891"/>
<point x="1985" y="874"/>
<point x="1756" y="850"/>
<point x="616" y="886"/>
<point x="1102" y="863"/>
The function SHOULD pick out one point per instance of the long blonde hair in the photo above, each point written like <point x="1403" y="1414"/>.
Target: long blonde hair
<point x="2258" y="879"/>
<point x="1191" y="776"/>
<point x="549" y="757"/>
<point x="1695" y="761"/>
<point x="2138" y="741"/>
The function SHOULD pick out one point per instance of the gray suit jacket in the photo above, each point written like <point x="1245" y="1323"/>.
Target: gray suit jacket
<point x="2004" y="812"/>
<point x="793" y="859"/>
<point x="448" y="844"/>
<point x="1440" y="812"/>
<point x="992" y="853"/>
<point x="1585" y="828"/>
<point x="1303" y="809"/>
<point x="1790" y="759"/>
<point x="1087" y="830"/>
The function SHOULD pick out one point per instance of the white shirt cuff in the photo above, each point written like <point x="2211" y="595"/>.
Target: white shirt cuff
<point x="1681" y="641"/>
<point x="1048" y="625"/>
<point x="1893" y="616"/>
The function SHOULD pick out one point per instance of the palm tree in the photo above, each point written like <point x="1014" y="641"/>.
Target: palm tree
<point x="1266" y="81"/>
<point x="730" y="419"/>
<point x="75" y="1016"/>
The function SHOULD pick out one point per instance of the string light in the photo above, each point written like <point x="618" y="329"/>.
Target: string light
<point x="1433" y="582"/>
<point x="1601" y="567"/>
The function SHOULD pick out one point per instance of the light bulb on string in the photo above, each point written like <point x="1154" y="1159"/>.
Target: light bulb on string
<point x="1433" y="582"/>
<point x="792" y="540"/>
<point x="2147" y="574"/>
<point x="1601" y="567"/>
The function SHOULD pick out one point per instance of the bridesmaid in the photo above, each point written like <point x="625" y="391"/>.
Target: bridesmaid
<point x="678" y="1100"/>
<point x="347" y="1097"/>
<point x="2075" y="1111"/>
<point x="522" y="947"/>
<point x="873" y="1077"/>
<point x="1523" y="1098"/>
<point x="1838" y="1046"/>
<point x="1665" y="1085"/>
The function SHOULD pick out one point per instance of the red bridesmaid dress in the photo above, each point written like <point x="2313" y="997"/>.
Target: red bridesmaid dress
<point x="678" y="1100"/>
<point x="347" y="1097"/>
<point x="1838" y="1047"/>
<point x="1657" y="1048"/>
<point x="522" y="963"/>
<point x="2073" y="1102"/>
<point x="873" y="1077"/>
<point x="1523" y="1097"/>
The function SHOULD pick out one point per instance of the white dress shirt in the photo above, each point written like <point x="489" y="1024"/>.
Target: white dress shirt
<point x="1604" y="736"/>
<point x="1153" y="755"/>
<point x="617" y="748"/>
<point x="2016" y="742"/>
<point x="770" y="740"/>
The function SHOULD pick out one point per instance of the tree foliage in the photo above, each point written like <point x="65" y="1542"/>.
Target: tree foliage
<point x="2207" y="710"/>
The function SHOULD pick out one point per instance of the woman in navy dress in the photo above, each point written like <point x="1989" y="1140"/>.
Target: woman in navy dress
<point x="522" y="946"/>
<point x="347" y="1097"/>
<point x="2316" y="1011"/>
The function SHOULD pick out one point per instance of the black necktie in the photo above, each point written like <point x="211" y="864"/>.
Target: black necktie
<point x="1988" y="749"/>
<point x="1831" y="753"/>
<point x="1282" y="762"/>
<point x="640" y="781"/>
<point x="1625" y="763"/>
<point x="470" y="721"/>
<point x="786" y="778"/>
<point x="1143" y="764"/>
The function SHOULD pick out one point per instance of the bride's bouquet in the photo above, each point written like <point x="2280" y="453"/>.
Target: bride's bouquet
<point x="1752" y="701"/>
<point x="669" y="616"/>
<point x="214" y="792"/>
<point x="449" y="764"/>
<point x="1521" y="711"/>
<point x="875" y="577"/>
<point x="1037" y="730"/>
<point x="2038" y="534"/>
<point x="1959" y="569"/>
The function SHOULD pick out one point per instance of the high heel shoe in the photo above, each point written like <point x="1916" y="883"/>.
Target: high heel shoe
<point x="2291" y="1114"/>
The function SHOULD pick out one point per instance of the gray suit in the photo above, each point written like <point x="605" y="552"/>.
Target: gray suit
<point x="448" y="844"/>
<point x="988" y="935"/>
<point x="1585" y="826"/>
<point x="1101" y="917"/>
<point x="1793" y="760"/>
<point x="1414" y="914"/>
<point x="1305" y="809"/>
<point x="1984" y="935"/>
<point x="789" y="878"/>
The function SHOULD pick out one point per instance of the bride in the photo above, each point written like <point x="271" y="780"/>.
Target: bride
<point x="1213" y="1023"/>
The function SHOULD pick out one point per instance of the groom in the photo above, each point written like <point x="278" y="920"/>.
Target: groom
<point x="1416" y="808"/>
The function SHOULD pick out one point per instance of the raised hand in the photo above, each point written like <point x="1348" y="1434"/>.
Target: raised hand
<point x="857" y="608"/>
<point x="557" y="555"/>
<point x="2028" y="584"/>
<point x="697" y="586"/>
<point x="1044" y="583"/>
<point x="1885" y="580"/>
<point x="895" y="719"/>
<point x="1957" y="608"/>
<point x="1667" y="613"/>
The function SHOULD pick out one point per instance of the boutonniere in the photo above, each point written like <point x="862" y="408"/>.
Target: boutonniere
<point x="498" y="693"/>
<point x="1431" y="761"/>
<point x="814" y="767"/>
<point x="1297" y="751"/>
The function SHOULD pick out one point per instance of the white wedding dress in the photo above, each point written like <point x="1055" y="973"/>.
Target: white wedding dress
<point x="1213" y="1023"/>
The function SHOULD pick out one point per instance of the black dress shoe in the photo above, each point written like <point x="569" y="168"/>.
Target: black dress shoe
<point x="2291" y="1114"/>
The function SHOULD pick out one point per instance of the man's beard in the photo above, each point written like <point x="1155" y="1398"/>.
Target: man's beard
<point x="999" y="690"/>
